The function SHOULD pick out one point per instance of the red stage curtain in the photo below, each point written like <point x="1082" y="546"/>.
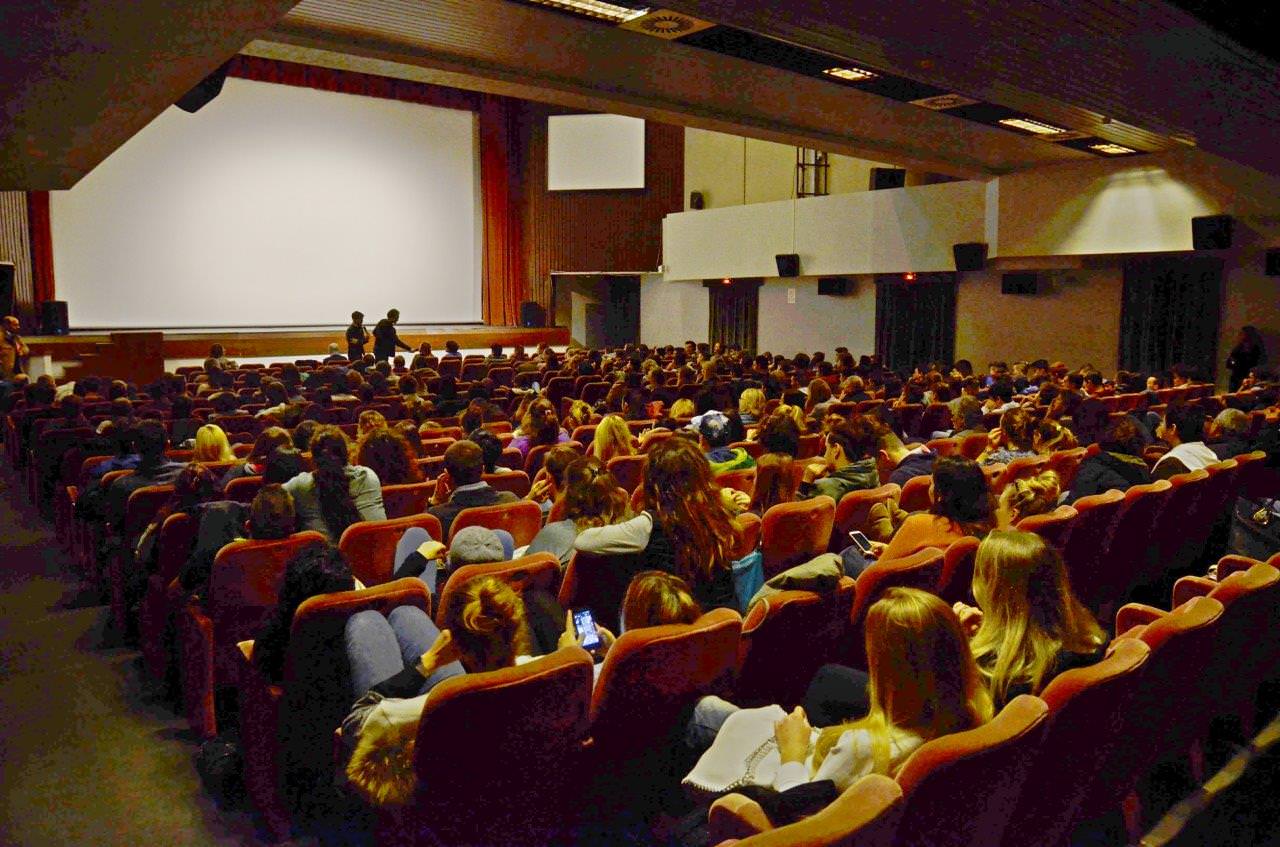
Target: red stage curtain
<point x="503" y="288"/>
<point x="41" y="233"/>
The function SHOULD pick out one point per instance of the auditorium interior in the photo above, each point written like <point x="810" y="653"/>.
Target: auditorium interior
<point x="678" y="202"/>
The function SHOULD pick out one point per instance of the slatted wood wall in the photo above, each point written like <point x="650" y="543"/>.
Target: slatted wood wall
<point x="15" y="247"/>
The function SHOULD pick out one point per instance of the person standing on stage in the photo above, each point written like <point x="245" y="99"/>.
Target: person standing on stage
<point x="357" y="337"/>
<point x="385" y="340"/>
<point x="12" y="349"/>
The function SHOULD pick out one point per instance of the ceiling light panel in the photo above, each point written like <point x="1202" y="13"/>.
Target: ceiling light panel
<point x="851" y="74"/>
<point x="1032" y="126"/>
<point x="667" y="25"/>
<point x="598" y="9"/>
<point x="1112" y="149"/>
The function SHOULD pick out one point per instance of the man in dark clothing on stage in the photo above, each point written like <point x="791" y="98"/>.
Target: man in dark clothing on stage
<point x="357" y="337"/>
<point x="385" y="340"/>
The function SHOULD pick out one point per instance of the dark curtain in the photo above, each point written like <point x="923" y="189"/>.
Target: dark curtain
<point x="622" y="314"/>
<point x="735" y="309"/>
<point x="1169" y="313"/>
<point x="915" y="319"/>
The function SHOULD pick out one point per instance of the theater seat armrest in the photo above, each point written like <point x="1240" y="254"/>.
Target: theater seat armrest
<point x="246" y="650"/>
<point x="1191" y="586"/>
<point x="734" y="816"/>
<point x="1136" y="614"/>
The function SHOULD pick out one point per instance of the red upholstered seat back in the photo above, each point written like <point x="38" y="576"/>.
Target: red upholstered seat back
<point x="599" y="583"/>
<point x="370" y="546"/>
<point x="539" y="570"/>
<point x="243" y="489"/>
<point x="522" y="519"/>
<point x="867" y="814"/>
<point x="628" y="470"/>
<point x="915" y="494"/>
<point x="399" y="501"/>
<point x="958" y="562"/>
<point x="961" y="789"/>
<point x="245" y="582"/>
<point x="853" y="511"/>
<point x="793" y="533"/>
<point x="1053" y="527"/>
<point x="1086" y="543"/>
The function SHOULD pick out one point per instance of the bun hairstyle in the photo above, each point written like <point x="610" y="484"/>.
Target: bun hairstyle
<point x="329" y="451"/>
<point x="487" y="620"/>
<point x="1034" y="495"/>
<point x="592" y="496"/>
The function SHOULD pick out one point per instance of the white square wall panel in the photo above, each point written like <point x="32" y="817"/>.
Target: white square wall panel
<point x="593" y="152"/>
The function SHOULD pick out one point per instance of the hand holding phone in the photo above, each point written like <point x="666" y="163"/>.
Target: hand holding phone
<point x="584" y="628"/>
<point x="861" y="541"/>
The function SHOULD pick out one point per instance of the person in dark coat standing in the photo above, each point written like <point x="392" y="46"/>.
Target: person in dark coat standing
<point x="1245" y="356"/>
<point x="385" y="340"/>
<point x="357" y="337"/>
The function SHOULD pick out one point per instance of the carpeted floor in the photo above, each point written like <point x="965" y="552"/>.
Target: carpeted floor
<point x="87" y="754"/>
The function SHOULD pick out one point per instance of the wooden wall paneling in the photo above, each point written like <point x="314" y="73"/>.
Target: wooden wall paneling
<point x="594" y="231"/>
<point x="15" y="247"/>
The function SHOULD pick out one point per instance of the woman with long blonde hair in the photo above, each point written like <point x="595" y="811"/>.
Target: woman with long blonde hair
<point x="1028" y="626"/>
<point x="686" y="528"/>
<point x="751" y="406"/>
<point x="1032" y="495"/>
<point x="923" y="684"/>
<point x="212" y="445"/>
<point x="612" y="438"/>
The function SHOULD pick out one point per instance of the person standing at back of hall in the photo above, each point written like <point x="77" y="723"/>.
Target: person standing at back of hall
<point x="385" y="340"/>
<point x="357" y="337"/>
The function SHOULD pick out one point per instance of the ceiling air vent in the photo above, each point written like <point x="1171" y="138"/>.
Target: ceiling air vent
<point x="668" y="25"/>
<point x="945" y="101"/>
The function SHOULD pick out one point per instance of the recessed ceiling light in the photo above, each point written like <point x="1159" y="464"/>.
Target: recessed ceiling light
<point x="1031" y="126"/>
<point x="851" y="74"/>
<point x="598" y="9"/>
<point x="1112" y="149"/>
<point x="944" y="101"/>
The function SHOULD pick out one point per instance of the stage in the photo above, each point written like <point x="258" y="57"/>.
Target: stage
<point x="52" y="353"/>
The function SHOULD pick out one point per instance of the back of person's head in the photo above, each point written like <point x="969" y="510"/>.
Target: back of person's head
<point x="544" y="425"/>
<point x="678" y="487"/>
<point x="329" y="454"/>
<point x="1122" y="436"/>
<point x="486" y="618"/>
<point x="303" y="433"/>
<point x="1018" y="429"/>
<point x="282" y="464"/>
<point x="490" y="447"/>
<point x="776" y="482"/>
<point x="1089" y="420"/>
<point x="592" y="496"/>
<point x="1002" y="390"/>
<point x="71" y="406"/>
<point x="1034" y="495"/>
<point x="1029" y="613"/>
<point x="268" y="441"/>
<point x="370" y="420"/>
<point x="923" y="677"/>
<point x="1051" y="435"/>
<point x="194" y="484"/>
<point x="1231" y="424"/>
<point x="151" y="439"/>
<point x="657" y="598"/>
<point x="856" y="438"/>
<point x="314" y="570"/>
<point x="819" y="392"/>
<point x="752" y="402"/>
<point x="612" y="438"/>
<point x="960" y="493"/>
<point x="683" y="408"/>
<point x="476" y="545"/>
<point x="393" y="314"/>
<point x="1188" y="420"/>
<point x="557" y="461"/>
<point x="212" y="445"/>
<point x="275" y="393"/>
<point x="271" y="514"/>
<point x="714" y="427"/>
<point x="471" y="417"/>
<point x="464" y="460"/>
<point x="180" y="408"/>
<point x="966" y="413"/>
<point x="779" y="434"/>
<point x="390" y="456"/>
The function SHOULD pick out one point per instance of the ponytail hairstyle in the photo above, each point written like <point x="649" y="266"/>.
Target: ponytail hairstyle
<point x="1029" y="613"/>
<point x="329" y="451"/>
<point x="592" y="496"/>
<point x="687" y="506"/>
<point x="776" y="481"/>
<point x="1018" y="429"/>
<point x="1035" y="495"/>
<point x="923" y="676"/>
<point x="486" y="618"/>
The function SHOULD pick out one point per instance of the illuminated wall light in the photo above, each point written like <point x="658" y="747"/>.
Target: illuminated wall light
<point x="726" y="281"/>
<point x="851" y="74"/>
<point x="598" y="9"/>
<point x="1033" y="127"/>
<point x="909" y="277"/>
<point x="1112" y="149"/>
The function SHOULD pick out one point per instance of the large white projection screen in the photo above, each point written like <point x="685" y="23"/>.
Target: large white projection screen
<point x="276" y="206"/>
<point x="590" y="152"/>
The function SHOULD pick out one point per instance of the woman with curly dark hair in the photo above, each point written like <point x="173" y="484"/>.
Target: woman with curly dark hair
<point x="389" y="455"/>
<point x="316" y="569"/>
<point x="336" y="494"/>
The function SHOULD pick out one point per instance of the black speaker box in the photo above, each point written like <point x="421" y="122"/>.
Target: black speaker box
<point x="1020" y="282"/>
<point x="788" y="264"/>
<point x="834" y="286"/>
<point x="532" y="314"/>
<point x="204" y="91"/>
<point x="887" y="178"/>
<point x="696" y="200"/>
<point x="971" y="256"/>
<point x="1273" y="261"/>
<point x="1212" y="232"/>
<point x="53" y="317"/>
<point x="6" y="288"/>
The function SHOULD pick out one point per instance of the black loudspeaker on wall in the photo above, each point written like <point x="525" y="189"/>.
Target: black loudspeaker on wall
<point x="6" y="288"/>
<point x="697" y="200"/>
<point x="53" y="317"/>
<point x="788" y="264"/>
<point x="887" y="178"/>
<point x="1020" y="282"/>
<point x="1273" y="261"/>
<point x="835" y="286"/>
<point x="205" y="90"/>
<point x="1212" y="232"/>
<point x="971" y="256"/>
<point x="532" y="314"/>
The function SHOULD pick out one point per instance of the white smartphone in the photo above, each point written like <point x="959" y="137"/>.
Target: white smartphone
<point x="584" y="624"/>
<point x="864" y="543"/>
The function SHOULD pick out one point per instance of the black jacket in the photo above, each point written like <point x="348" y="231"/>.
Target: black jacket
<point x="385" y="340"/>
<point x="357" y="337"/>
<point x="1106" y="471"/>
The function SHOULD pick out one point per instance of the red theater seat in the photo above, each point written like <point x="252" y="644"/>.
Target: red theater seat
<point x="370" y="546"/>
